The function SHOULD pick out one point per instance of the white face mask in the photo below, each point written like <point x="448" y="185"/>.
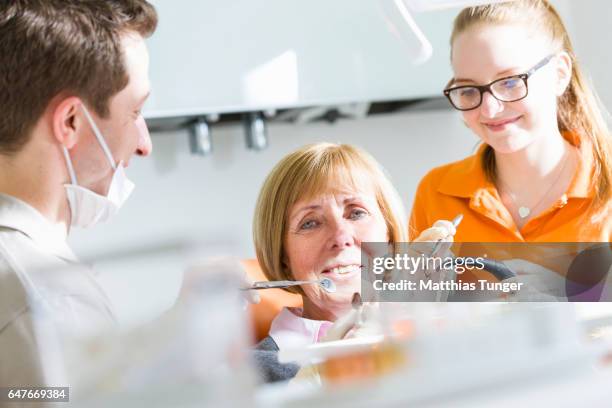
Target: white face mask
<point x="89" y="208"/>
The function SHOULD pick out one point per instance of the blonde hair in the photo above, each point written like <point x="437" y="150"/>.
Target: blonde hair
<point x="578" y="108"/>
<point x="306" y="173"/>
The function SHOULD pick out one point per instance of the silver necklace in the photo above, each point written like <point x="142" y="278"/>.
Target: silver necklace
<point x="525" y="211"/>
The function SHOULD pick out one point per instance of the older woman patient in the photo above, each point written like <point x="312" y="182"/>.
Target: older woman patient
<point x="314" y="210"/>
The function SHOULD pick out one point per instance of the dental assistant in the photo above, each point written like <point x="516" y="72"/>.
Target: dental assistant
<point x="543" y="170"/>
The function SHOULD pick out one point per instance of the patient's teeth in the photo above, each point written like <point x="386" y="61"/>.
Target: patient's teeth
<point x="344" y="269"/>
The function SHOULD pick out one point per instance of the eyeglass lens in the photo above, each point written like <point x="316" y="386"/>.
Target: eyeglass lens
<point x="505" y="89"/>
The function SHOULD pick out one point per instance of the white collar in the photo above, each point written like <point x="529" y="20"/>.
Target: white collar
<point x="20" y="216"/>
<point x="290" y="330"/>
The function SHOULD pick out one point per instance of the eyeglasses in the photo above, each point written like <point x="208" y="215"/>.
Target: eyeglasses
<point x="508" y="89"/>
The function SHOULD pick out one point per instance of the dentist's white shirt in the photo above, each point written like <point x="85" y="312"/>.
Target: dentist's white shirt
<point x="41" y="281"/>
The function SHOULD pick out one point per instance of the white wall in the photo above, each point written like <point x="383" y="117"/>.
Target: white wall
<point x="592" y="38"/>
<point x="180" y="196"/>
<point x="211" y="200"/>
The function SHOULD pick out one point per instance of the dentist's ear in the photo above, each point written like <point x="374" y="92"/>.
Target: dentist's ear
<point x="564" y="68"/>
<point x="67" y="125"/>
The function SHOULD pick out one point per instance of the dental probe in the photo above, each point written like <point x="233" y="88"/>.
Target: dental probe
<point x="327" y="284"/>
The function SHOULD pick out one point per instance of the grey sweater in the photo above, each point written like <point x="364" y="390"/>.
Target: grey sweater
<point x="270" y="370"/>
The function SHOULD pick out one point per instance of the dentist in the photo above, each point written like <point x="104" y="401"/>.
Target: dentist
<point x="74" y="77"/>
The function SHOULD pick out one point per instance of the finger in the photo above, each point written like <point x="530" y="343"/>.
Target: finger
<point x="448" y="225"/>
<point x="342" y="326"/>
<point x="519" y="267"/>
<point x="252" y="296"/>
<point x="246" y="282"/>
<point x="370" y="311"/>
<point x="445" y="247"/>
<point x="434" y="234"/>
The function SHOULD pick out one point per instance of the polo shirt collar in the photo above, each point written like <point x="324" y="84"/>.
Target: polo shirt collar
<point x="290" y="330"/>
<point x="20" y="216"/>
<point x="468" y="179"/>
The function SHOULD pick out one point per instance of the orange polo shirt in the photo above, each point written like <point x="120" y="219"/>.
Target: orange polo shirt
<point x="462" y="188"/>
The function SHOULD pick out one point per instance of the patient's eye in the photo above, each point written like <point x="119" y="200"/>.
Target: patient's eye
<point x="357" y="213"/>
<point x="308" y="224"/>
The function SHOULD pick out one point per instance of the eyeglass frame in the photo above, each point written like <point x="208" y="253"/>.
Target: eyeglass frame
<point x="487" y="88"/>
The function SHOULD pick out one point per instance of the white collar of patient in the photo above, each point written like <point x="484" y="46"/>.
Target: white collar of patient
<point x="88" y="208"/>
<point x="290" y="330"/>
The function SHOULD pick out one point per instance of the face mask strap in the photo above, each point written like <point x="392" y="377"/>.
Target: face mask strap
<point x="69" y="165"/>
<point x="101" y="141"/>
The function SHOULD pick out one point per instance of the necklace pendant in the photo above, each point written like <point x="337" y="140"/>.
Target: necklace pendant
<point x="524" y="212"/>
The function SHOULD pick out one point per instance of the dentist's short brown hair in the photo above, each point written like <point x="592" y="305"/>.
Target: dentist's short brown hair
<point x="55" y="47"/>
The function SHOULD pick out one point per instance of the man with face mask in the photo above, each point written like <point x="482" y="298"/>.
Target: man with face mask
<point x="87" y="208"/>
<point x="74" y="77"/>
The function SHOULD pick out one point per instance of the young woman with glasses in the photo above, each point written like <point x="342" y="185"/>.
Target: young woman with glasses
<point x="543" y="171"/>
